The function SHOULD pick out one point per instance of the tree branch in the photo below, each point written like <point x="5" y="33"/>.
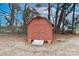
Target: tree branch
<point x="4" y="11"/>
<point x="69" y="11"/>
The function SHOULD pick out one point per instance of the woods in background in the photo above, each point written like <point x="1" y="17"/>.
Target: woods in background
<point x="61" y="22"/>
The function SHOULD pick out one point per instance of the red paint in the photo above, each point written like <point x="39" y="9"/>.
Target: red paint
<point x="39" y="28"/>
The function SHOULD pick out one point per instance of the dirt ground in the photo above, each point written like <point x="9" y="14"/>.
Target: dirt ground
<point x="16" y="45"/>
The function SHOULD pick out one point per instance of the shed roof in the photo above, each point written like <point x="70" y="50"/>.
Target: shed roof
<point x="39" y="17"/>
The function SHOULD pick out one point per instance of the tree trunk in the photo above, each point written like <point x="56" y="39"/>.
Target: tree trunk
<point x="63" y="21"/>
<point x="73" y="18"/>
<point x="0" y="25"/>
<point x="12" y="17"/>
<point x="24" y="19"/>
<point x="49" y="8"/>
<point x="56" y="16"/>
<point x="60" y="18"/>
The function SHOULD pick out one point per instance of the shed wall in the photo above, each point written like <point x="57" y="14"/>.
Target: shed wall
<point x="39" y="29"/>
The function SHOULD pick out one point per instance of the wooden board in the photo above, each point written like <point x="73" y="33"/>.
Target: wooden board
<point x="38" y="42"/>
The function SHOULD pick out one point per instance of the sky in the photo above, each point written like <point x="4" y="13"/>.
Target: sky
<point x="5" y="7"/>
<point x="42" y="10"/>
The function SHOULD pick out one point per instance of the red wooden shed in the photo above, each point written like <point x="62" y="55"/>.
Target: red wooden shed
<point x="40" y="28"/>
